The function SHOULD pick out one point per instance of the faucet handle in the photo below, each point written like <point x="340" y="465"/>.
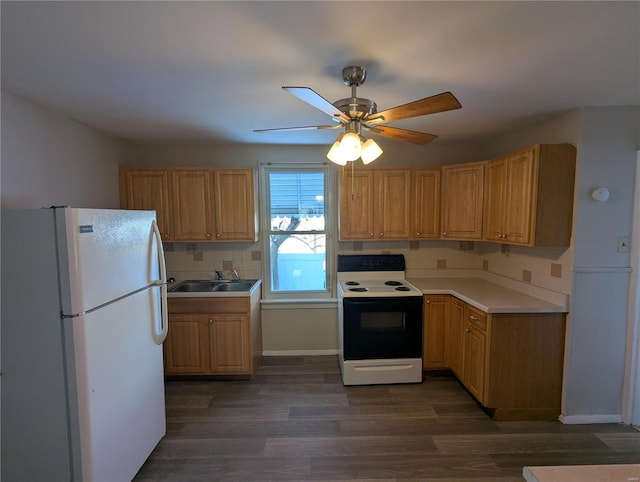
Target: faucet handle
<point x="235" y="274"/>
<point x="218" y="274"/>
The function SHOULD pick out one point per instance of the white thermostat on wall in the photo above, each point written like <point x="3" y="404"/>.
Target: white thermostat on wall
<point x="600" y="194"/>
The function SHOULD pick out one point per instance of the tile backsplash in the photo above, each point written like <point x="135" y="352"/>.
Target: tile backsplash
<point x="548" y="268"/>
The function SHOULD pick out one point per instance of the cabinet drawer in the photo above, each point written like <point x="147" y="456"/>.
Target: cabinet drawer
<point x="477" y="317"/>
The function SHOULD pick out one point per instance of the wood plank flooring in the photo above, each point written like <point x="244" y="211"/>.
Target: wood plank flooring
<point x="296" y="421"/>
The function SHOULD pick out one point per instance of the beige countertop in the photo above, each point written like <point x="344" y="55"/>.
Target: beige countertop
<point x="216" y="294"/>
<point x="583" y="473"/>
<point x="486" y="296"/>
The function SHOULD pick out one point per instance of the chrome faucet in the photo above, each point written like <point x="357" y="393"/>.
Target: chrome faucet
<point x="236" y="276"/>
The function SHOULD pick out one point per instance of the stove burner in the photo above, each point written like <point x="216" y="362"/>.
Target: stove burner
<point x="351" y="283"/>
<point x="403" y="288"/>
<point x="358" y="289"/>
<point x="393" y="283"/>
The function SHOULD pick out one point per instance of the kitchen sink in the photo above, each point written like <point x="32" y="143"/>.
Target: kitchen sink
<point x="191" y="286"/>
<point x="204" y="286"/>
<point x="234" y="286"/>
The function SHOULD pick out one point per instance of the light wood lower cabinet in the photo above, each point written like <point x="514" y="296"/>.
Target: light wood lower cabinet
<point x="212" y="336"/>
<point x="510" y="362"/>
<point x="435" y="335"/>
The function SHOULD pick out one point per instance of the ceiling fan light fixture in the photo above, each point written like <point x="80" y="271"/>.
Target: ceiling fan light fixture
<point x="334" y="154"/>
<point x="370" y="151"/>
<point x="350" y="146"/>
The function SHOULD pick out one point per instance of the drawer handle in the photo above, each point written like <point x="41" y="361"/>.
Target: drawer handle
<point x="474" y="318"/>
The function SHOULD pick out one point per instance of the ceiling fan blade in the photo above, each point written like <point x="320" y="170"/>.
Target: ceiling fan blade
<point x="314" y="99"/>
<point x="301" y="128"/>
<point x="429" y="105"/>
<point x="402" y="134"/>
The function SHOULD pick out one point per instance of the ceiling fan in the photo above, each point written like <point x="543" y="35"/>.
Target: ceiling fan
<point x="356" y="113"/>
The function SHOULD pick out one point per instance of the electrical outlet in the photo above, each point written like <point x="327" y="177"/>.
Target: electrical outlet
<point x="623" y="244"/>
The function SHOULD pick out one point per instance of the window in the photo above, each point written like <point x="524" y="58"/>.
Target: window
<point x="296" y="233"/>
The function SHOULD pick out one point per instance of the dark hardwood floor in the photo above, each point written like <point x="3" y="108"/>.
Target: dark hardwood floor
<point x="296" y="421"/>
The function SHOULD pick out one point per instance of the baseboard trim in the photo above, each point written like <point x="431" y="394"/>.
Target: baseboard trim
<point x="299" y="352"/>
<point x="588" y="419"/>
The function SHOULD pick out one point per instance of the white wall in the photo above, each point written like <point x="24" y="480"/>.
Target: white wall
<point x="48" y="159"/>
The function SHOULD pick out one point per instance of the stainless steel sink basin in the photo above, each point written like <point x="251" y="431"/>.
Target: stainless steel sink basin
<point x="234" y="286"/>
<point x="204" y="286"/>
<point x="191" y="286"/>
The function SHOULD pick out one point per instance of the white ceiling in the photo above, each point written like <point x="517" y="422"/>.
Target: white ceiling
<point x="148" y="70"/>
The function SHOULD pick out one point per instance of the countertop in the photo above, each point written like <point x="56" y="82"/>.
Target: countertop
<point x="583" y="473"/>
<point x="216" y="294"/>
<point x="486" y="296"/>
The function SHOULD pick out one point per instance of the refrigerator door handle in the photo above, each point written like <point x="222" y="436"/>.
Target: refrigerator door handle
<point x="162" y="283"/>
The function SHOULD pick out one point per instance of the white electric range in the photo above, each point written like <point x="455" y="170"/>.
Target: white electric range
<point x="380" y="321"/>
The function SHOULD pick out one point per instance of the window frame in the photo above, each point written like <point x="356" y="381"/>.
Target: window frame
<point x="330" y="230"/>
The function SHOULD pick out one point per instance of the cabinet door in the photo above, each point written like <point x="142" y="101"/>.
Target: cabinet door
<point x="435" y="333"/>
<point x="193" y="214"/>
<point x="474" y="360"/>
<point x="495" y="184"/>
<point x="356" y="204"/>
<point x="462" y="187"/>
<point x="393" y="194"/>
<point x="230" y="344"/>
<point x="456" y="336"/>
<point x="426" y="204"/>
<point x="148" y="189"/>
<point x="186" y="349"/>
<point x="520" y="197"/>
<point x="235" y="210"/>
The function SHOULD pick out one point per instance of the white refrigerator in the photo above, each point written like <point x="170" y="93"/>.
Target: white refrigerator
<point x="83" y="304"/>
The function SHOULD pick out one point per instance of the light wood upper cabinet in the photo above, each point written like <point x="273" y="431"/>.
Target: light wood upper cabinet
<point x="192" y="204"/>
<point x="425" y="206"/>
<point x="235" y="206"/>
<point x="462" y="198"/>
<point x="195" y="205"/>
<point x="375" y="204"/>
<point x="529" y="196"/>
<point x="148" y="189"/>
<point x="393" y="203"/>
<point x="357" y="204"/>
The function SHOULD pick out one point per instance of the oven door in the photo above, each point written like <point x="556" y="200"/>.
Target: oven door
<point x="382" y="328"/>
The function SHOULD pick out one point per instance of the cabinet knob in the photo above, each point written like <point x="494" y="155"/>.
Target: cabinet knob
<point x="467" y="330"/>
<point x="371" y="234"/>
<point x="444" y="234"/>
<point x="428" y="302"/>
<point x="218" y="235"/>
<point x="381" y="234"/>
<point x="417" y="234"/>
<point x="211" y="321"/>
<point x="207" y="235"/>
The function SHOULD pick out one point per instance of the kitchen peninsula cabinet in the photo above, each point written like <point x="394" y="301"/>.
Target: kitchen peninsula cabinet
<point x="425" y="207"/>
<point x="149" y="189"/>
<point x="375" y="204"/>
<point x="195" y="205"/>
<point x="510" y="362"/>
<point x="529" y="196"/>
<point x="212" y="336"/>
<point x="462" y="198"/>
